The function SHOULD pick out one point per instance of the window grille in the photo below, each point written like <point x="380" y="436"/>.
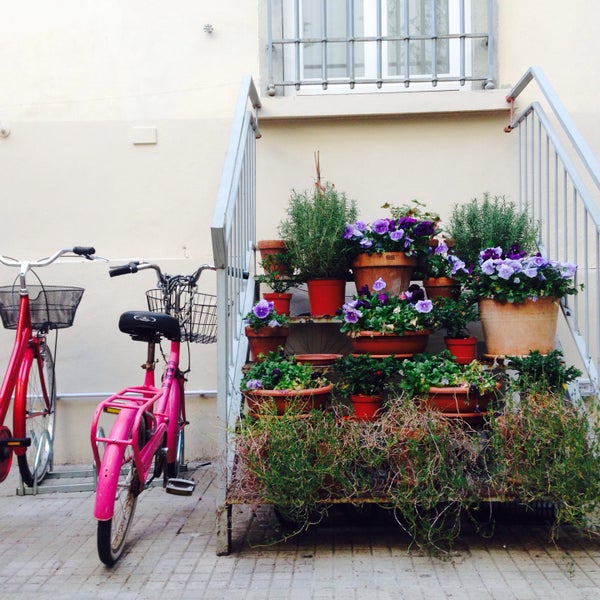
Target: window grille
<point x="319" y="46"/>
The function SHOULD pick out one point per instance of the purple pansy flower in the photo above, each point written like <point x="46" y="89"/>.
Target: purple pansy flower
<point x="381" y="226"/>
<point x="424" y="306"/>
<point x="379" y="285"/>
<point x="262" y="309"/>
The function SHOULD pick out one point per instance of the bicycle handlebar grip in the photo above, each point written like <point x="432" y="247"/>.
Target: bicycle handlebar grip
<point x="84" y="250"/>
<point x="132" y="267"/>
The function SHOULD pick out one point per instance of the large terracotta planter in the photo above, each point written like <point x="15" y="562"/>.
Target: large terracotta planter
<point x="464" y="350"/>
<point x="265" y="340"/>
<point x="272" y="248"/>
<point x="516" y="329"/>
<point x="366" y="406"/>
<point x="444" y="287"/>
<point x="412" y="342"/>
<point x="261" y="402"/>
<point x="457" y="401"/>
<point x="281" y="301"/>
<point x="395" y="268"/>
<point x="326" y="296"/>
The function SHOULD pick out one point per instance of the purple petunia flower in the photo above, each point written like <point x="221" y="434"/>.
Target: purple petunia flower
<point x="262" y="309"/>
<point x="441" y="248"/>
<point x="424" y="306"/>
<point x="505" y="271"/>
<point x="405" y="222"/>
<point x="379" y="285"/>
<point x="424" y="228"/>
<point x="381" y="226"/>
<point x="396" y="235"/>
<point x="490" y="253"/>
<point x="488" y="266"/>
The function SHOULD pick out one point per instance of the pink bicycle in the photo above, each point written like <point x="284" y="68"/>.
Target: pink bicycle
<point x="33" y="310"/>
<point x="146" y="438"/>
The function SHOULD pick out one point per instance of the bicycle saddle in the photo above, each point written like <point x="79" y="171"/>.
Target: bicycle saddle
<point x="146" y="326"/>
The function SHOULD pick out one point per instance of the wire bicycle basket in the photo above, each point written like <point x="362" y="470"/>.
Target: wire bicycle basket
<point x="195" y="311"/>
<point x="52" y="307"/>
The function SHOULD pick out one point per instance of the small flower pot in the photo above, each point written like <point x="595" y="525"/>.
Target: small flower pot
<point x="326" y="296"/>
<point x="366" y="406"/>
<point x="464" y="350"/>
<point x="273" y="248"/>
<point x="404" y="346"/>
<point x="444" y="287"/>
<point x="265" y="340"/>
<point x="261" y="402"/>
<point x="281" y="301"/>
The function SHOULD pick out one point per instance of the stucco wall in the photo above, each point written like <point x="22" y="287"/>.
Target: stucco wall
<point x="79" y="77"/>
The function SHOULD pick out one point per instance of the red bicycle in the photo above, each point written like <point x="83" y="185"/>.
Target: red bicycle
<point x="33" y="310"/>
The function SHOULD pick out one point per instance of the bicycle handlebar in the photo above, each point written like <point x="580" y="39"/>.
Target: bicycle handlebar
<point x="135" y="266"/>
<point x="85" y="251"/>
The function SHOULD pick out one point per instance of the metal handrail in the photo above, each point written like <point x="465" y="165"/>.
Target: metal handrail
<point x="233" y="232"/>
<point x="559" y="186"/>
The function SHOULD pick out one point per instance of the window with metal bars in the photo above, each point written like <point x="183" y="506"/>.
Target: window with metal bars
<point x="321" y="46"/>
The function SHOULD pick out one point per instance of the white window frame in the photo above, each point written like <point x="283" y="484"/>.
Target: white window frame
<point x="417" y="83"/>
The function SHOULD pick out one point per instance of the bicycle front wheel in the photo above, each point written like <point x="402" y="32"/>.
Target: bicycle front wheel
<point x="38" y="405"/>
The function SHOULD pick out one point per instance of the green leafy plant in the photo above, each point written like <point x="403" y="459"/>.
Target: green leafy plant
<point x="408" y="230"/>
<point x="454" y="315"/>
<point x="423" y="371"/>
<point x="313" y="231"/>
<point x="382" y="312"/>
<point x="263" y="314"/>
<point x="544" y="449"/>
<point x="538" y="372"/>
<point x="280" y="283"/>
<point x="280" y="372"/>
<point x="486" y="222"/>
<point x="365" y="374"/>
<point x="513" y="276"/>
<point x="441" y="262"/>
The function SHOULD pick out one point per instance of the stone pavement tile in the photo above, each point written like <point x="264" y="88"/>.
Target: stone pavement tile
<point x="48" y="549"/>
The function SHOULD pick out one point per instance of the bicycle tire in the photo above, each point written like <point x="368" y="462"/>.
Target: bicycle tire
<point x="112" y="533"/>
<point x="39" y="420"/>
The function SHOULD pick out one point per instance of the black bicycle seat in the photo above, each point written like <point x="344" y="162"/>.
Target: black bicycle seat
<point x="146" y="326"/>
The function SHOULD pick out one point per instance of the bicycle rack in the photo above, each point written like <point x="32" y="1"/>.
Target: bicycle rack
<point x="82" y="475"/>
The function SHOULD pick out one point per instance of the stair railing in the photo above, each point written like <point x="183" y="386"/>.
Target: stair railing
<point x="559" y="186"/>
<point x="233" y="233"/>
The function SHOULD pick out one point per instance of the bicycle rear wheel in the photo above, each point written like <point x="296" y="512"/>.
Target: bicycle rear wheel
<point x="39" y="411"/>
<point x="111" y="534"/>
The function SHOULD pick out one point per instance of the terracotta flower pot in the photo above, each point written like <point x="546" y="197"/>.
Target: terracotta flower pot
<point x="281" y="301"/>
<point x="458" y="402"/>
<point x="464" y="350"/>
<point x="265" y="340"/>
<point x="395" y="268"/>
<point x="326" y="296"/>
<point x="444" y="287"/>
<point x="302" y="401"/>
<point x="516" y="329"/>
<point x="366" y="406"/>
<point x="272" y="248"/>
<point x="373" y="342"/>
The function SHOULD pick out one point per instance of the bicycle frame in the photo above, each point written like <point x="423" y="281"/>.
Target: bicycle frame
<point x="133" y="405"/>
<point x="26" y="349"/>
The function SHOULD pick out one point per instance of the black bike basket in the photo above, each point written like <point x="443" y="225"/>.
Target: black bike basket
<point x="196" y="313"/>
<point x="52" y="307"/>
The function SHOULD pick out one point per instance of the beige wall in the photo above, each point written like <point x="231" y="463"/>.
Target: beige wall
<point x="79" y="77"/>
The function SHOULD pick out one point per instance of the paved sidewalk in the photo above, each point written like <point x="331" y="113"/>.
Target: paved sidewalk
<point x="48" y="550"/>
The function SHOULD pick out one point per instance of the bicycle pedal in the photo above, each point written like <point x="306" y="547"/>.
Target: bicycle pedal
<point x="180" y="487"/>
